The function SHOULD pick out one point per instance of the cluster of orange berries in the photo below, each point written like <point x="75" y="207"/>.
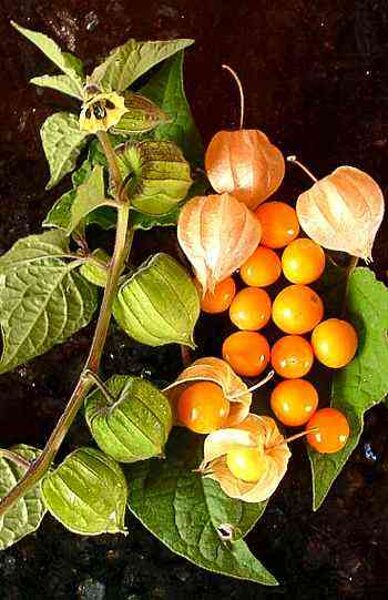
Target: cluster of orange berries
<point x="296" y="310"/>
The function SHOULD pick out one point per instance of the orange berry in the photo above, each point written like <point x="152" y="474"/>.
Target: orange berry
<point x="279" y="224"/>
<point x="262" y="268"/>
<point x="250" y="309"/>
<point x="303" y="261"/>
<point x="202" y="407"/>
<point x="292" y="356"/>
<point x="220" y="299"/>
<point x="332" y="430"/>
<point x="297" y="309"/>
<point x="246" y="463"/>
<point x="247" y="352"/>
<point x="294" y="401"/>
<point x="334" y="342"/>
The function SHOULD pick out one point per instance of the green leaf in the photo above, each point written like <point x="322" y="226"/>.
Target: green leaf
<point x="146" y="222"/>
<point x="190" y="514"/>
<point x="131" y="423"/>
<point x="68" y="63"/>
<point x="361" y="384"/>
<point x="61" y="83"/>
<point x="158" y="304"/>
<point x="89" y="196"/>
<point x="160" y="175"/>
<point x="26" y="515"/>
<point x="87" y="493"/>
<point x="128" y="62"/>
<point x="95" y="269"/>
<point x="43" y="301"/>
<point x="167" y="91"/>
<point x="62" y="142"/>
<point x="142" y="116"/>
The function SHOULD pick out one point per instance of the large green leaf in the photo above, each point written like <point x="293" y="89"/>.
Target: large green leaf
<point x="131" y="423"/>
<point x="26" y="515"/>
<point x="87" y="493"/>
<point x="128" y="62"/>
<point x="62" y="142"/>
<point x="88" y="196"/>
<point x="191" y="515"/>
<point x="61" y="83"/>
<point x="158" y="304"/>
<point x="167" y="91"/>
<point x="43" y="301"/>
<point x="67" y="62"/>
<point x="363" y="383"/>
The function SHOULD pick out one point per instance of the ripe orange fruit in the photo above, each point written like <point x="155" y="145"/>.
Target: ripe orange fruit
<point x="202" y="407"/>
<point x="279" y="224"/>
<point x="262" y="268"/>
<point x="245" y="463"/>
<point x="250" y="309"/>
<point x="334" y="342"/>
<point x="332" y="430"/>
<point x="292" y="356"/>
<point x="303" y="261"/>
<point x="294" y="401"/>
<point x="220" y="299"/>
<point x="297" y="309"/>
<point x="247" y="352"/>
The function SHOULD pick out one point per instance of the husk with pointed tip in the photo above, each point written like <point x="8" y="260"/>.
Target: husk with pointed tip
<point x="216" y="371"/>
<point x="218" y="234"/>
<point x="255" y="431"/>
<point x="343" y="211"/>
<point x="246" y="164"/>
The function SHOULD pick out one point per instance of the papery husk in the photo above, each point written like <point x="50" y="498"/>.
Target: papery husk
<point x="343" y="211"/>
<point x="246" y="164"/>
<point x="216" y="371"/>
<point x="254" y="431"/>
<point x="218" y="234"/>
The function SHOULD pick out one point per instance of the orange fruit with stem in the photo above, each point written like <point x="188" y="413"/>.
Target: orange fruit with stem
<point x="262" y="268"/>
<point x="334" y="342"/>
<point x="292" y="356"/>
<point x="294" y="401"/>
<point x="218" y="300"/>
<point x="202" y="407"/>
<point x="297" y="309"/>
<point x="328" y="430"/>
<point x="247" y="352"/>
<point x="303" y="261"/>
<point x="244" y="163"/>
<point x="279" y="224"/>
<point x="250" y="309"/>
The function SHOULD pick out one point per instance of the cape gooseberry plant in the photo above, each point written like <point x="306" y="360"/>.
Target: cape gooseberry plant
<point x="134" y="152"/>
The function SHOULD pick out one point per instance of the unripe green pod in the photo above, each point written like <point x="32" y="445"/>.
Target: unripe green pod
<point x="158" y="304"/>
<point x="133" y="423"/>
<point x="87" y="493"/>
<point x="94" y="270"/>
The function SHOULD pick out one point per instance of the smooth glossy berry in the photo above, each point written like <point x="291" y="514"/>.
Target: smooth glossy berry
<point x="220" y="299"/>
<point x="245" y="463"/>
<point x="202" y="407"/>
<point x="294" y="401"/>
<point x="303" y="261"/>
<point x="332" y="430"/>
<point x="292" y="356"/>
<point x="247" y="352"/>
<point x="250" y="309"/>
<point x="297" y="309"/>
<point x="279" y="224"/>
<point x="334" y="342"/>
<point x="261" y="269"/>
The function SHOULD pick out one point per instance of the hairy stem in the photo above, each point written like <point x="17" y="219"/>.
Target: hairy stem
<point x="123" y="241"/>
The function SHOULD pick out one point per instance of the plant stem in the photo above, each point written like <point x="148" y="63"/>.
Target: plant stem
<point x="294" y="160"/>
<point x="241" y="92"/>
<point x="15" y="458"/>
<point x="110" y="155"/>
<point x="186" y="355"/>
<point x="123" y="241"/>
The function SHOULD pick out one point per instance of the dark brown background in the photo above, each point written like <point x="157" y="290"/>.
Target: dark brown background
<point x="315" y="80"/>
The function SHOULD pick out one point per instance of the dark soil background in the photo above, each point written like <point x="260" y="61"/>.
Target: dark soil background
<point x="316" y="81"/>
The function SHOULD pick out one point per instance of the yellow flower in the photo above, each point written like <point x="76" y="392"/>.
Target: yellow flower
<point x="101" y="112"/>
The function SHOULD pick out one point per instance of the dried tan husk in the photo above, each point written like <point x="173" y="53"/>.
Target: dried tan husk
<point x="218" y="234"/>
<point x="343" y="211"/>
<point x="216" y="371"/>
<point x="254" y="431"/>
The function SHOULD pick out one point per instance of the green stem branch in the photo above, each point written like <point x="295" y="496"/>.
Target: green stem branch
<point x="15" y="458"/>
